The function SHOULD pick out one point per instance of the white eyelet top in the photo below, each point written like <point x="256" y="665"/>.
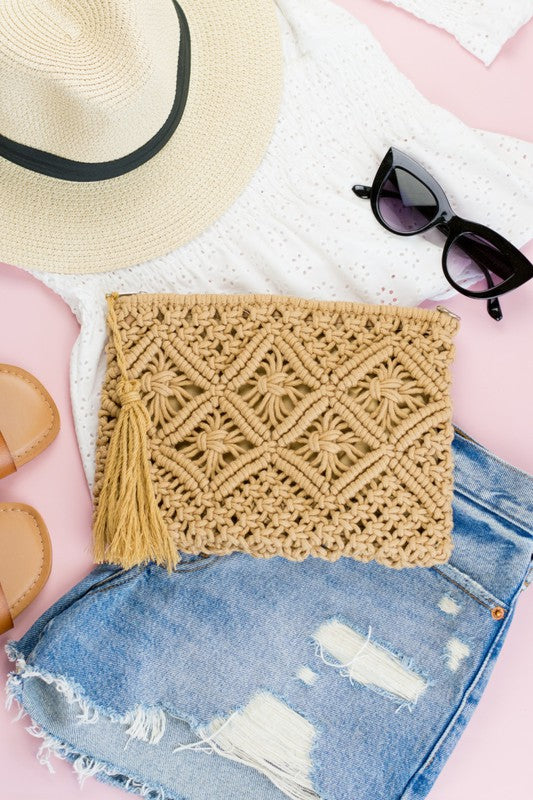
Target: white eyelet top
<point x="481" y="26"/>
<point x="298" y="229"/>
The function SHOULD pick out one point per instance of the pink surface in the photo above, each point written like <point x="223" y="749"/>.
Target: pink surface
<point x="493" y="387"/>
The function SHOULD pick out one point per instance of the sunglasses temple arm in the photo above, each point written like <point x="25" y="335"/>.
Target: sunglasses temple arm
<point x="494" y="308"/>
<point x="363" y="192"/>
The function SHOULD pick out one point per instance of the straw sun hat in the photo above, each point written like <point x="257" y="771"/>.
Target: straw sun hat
<point x="128" y="126"/>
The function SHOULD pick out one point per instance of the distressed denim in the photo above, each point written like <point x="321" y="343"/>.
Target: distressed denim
<point x="237" y="678"/>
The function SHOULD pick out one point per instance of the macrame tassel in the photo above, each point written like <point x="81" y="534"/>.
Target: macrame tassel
<point x="129" y="528"/>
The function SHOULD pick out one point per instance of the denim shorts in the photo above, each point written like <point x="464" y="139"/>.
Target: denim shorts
<point x="237" y="678"/>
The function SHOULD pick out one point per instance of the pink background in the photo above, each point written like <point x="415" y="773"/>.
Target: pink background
<point x="493" y="402"/>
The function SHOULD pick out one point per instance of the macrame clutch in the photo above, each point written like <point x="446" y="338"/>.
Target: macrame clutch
<point x="275" y="427"/>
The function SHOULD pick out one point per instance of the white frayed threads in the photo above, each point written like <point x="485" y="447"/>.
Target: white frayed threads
<point x="13" y="654"/>
<point x="367" y="663"/>
<point x="456" y="652"/>
<point x="150" y="723"/>
<point x="61" y="684"/>
<point x="48" y="746"/>
<point x="88" y="715"/>
<point x="84" y="766"/>
<point x="12" y="691"/>
<point x="268" y="736"/>
<point x="307" y="676"/>
<point x="87" y="767"/>
<point x="146" y="724"/>
<point x="449" y="606"/>
<point x="13" y="695"/>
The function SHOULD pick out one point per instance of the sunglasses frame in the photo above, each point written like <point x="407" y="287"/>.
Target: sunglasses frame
<point x="449" y="223"/>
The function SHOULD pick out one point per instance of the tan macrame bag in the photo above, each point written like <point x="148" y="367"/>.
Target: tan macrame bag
<point x="276" y="427"/>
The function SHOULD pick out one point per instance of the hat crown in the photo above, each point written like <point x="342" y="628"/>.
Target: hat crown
<point x="87" y="80"/>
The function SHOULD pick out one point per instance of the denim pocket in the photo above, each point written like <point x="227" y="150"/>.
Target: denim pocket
<point x="491" y="553"/>
<point x="472" y="589"/>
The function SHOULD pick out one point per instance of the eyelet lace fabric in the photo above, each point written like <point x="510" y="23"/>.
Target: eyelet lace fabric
<point x="285" y="427"/>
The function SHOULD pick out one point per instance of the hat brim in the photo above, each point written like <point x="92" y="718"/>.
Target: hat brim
<point x="52" y="225"/>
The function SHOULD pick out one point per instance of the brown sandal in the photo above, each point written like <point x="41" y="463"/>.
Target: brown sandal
<point x="29" y="419"/>
<point x="25" y="560"/>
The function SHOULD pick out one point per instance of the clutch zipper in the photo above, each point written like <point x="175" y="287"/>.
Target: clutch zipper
<point x="448" y="312"/>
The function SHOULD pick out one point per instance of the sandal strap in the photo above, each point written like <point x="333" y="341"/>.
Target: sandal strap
<point x="6" y="620"/>
<point x="7" y="465"/>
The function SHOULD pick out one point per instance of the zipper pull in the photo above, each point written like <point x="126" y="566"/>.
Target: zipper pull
<point x="448" y="312"/>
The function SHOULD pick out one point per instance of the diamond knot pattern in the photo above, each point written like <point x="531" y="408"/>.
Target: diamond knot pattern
<point x="293" y="428"/>
<point x="330" y="446"/>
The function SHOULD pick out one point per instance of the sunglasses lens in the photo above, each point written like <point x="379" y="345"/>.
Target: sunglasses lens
<point x="406" y="205"/>
<point x="474" y="258"/>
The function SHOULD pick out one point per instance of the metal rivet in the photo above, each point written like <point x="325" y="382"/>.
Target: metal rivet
<point x="497" y="613"/>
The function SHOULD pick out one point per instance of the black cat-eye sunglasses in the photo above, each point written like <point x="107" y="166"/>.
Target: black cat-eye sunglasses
<point x="407" y="200"/>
